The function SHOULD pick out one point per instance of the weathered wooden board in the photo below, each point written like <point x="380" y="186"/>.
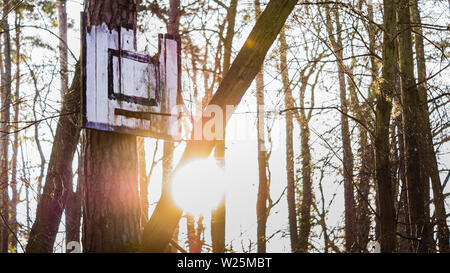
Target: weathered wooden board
<point x="129" y="92"/>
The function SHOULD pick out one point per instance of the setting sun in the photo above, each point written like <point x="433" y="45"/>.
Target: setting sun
<point x="197" y="187"/>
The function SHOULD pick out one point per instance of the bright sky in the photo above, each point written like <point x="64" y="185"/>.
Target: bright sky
<point x="241" y="171"/>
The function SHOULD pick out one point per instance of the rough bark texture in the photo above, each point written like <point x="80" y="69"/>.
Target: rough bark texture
<point x="114" y="13"/>
<point x="431" y="166"/>
<point x="412" y="132"/>
<point x="383" y="114"/>
<point x="59" y="173"/>
<point x="159" y="229"/>
<point x="4" y="132"/>
<point x="111" y="210"/>
<point x="347" y="159"/>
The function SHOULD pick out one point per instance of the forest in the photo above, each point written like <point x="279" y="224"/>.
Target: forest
<point x="303" y="126"/>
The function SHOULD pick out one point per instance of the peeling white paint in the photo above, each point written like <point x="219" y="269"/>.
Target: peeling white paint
<point x="133" y="78"/>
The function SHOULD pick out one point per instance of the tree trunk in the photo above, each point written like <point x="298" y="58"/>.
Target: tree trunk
<point x="168" y="147"/>
<point x="73" y="208"/>
<point x="292" y="212"/>
<point x="194" y="234"/>
<point x="261" y="203"/>
<point x="159" y="229"/>
<point x="4" y="134"/>
<point x="383" y="115"/>
<point x="307" y="198"/>
<point x="143" y="180"/>
<point x="366" y="153"/>
<point x="404" y="245"/>
<point x="15" y="146"/>
<point x="62" y="17"/>
<point x="350" y="211"/>
<point x="413" y="131"/>
<point x="218" y="215"/>
<point x="431" y="166"/>
<point x="59" y="173"/>
<point x="111" y="211"/>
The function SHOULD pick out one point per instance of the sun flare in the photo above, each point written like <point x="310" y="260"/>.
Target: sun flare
<point x="198" y="187"/>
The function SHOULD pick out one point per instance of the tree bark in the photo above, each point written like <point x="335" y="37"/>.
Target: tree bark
<point x="195" y="234"/>
<point x="168" y="148"/>
<point x="111" y="210"/>
<point x="62" y="17"/>
<point x="292" y="212"/>
<point x="383" y="114"/>
<point x="15" y="146"/>
<point x="413" y="131"/>
<point x="4" y="134"/>
<point x="350" y="211"/>
<point x="261" y="203"/>
<point x="73" y="207"/>
<point x="59" y="173"/>
<point x="143" y="180"/>
<point x="431" y="167"/>
<point x="159" y="229"/>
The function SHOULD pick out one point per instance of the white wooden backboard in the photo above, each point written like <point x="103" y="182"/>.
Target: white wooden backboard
<point x="125" y="91"/>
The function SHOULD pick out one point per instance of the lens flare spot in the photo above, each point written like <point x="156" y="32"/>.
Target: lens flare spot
<point x="198" y="187"/>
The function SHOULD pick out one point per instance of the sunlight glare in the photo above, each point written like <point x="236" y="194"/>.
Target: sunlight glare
<point x="198" y="187"/>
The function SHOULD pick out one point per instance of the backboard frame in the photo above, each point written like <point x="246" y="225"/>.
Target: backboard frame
<point x="160" y="117"/>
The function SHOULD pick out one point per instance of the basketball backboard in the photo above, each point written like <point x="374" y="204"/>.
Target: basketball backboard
<point x="126" y="91"/>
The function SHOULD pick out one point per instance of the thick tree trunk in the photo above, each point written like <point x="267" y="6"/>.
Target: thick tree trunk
<point x="59" y="173"/>
<point x="159" y="229"/>
<point x="383" y="115"/>
<point x="111" y="210"/>
<point x="4" y="134"/>
<point x="350" y="211"/>
<point x="431" y="166"/>
<point x="413" y="131"/>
